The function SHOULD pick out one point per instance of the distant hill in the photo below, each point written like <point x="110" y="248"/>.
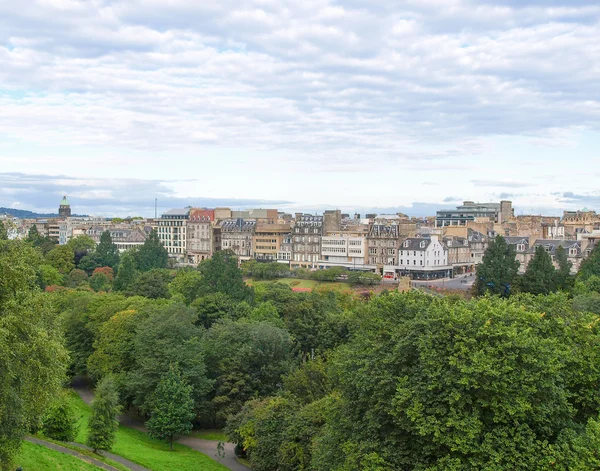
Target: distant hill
<point x="24" y="214"/>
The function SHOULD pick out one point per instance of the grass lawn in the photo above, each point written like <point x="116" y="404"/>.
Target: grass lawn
<point x="210" y="435"/>
<point x="38" y="458"/>
<point x="148" y="452"/>
<point x="305" y="284"/>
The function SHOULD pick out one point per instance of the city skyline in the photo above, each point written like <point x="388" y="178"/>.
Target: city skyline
<point x="357" y="105"/>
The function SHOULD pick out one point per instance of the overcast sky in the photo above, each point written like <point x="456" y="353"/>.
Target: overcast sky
<point x="310" y="104"/>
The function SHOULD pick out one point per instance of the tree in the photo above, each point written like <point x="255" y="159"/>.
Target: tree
<point x="81" y="246"/>
<point x="212" y="307"/>
<point x="107" y="253"/>
<point x="33" y="235"/>
<point x="540" y="276"/>
<point x="50" y="276"/>
<point x="221" y="275"/>
<point x="172" y="408"/>
<point x="364" y="278"/>
<point x="3" y="231"/>
<point x="126" y="274"/>
<point x="246" y="359"/>
<point x="152" y="284"/>
<point x="103" y="423"/>
<point x="591" y="265"/>
<point x="101" y="279"/>
<point x="76" y="278"/>
<point x="152" y="254"/>
<point x="498" y="270"/>
<point x="168" y="335"/>
<point x="33" y="360"/>
<point x="188" y="284"/>
<point x="564" y="280"/>
<point x="60" y="422"/>
<point x="61" y="257"/>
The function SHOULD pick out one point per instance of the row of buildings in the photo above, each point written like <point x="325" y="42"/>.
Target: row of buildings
<point x="394" y="245"/>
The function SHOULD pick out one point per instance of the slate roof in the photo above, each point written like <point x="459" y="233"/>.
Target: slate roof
<point x="384" y="230"/>
<point x="414" y="243"/>
<point x="552" y="245"/>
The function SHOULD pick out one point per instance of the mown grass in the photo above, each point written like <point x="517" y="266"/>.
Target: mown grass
<point x="38" y="458"/>
<point x="305" y="284"/>
<point x="140" y="448"/>
<point x="216" y="435"/>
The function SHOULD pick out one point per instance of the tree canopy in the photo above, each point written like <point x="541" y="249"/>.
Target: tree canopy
<point x="498" y="270"/>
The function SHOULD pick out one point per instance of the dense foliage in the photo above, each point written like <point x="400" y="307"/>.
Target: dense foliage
<point x="321" y="380"/>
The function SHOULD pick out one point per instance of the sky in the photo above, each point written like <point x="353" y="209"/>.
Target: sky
<point x="362" y="105"/>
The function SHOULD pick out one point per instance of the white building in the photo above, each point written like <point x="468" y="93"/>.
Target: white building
<point x="171" y="230"/>
<point x="343" y="250"/>
<point x="422" y="258"/>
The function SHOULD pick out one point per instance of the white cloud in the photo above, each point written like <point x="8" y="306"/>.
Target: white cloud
<point x="340" y="84"/>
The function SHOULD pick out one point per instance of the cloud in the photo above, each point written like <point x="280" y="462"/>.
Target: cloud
<point x="109" y="197"/>
<point x="346" y="78"/>
<point x="498" y="183"/>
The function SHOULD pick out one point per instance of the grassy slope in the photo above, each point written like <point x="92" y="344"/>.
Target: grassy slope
<point x="148" y="452"/>
<point x="299" y="283"/>
<point x="37" y="458"/>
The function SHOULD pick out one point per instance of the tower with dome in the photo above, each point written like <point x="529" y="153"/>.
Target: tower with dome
<point x="64" y="210"/>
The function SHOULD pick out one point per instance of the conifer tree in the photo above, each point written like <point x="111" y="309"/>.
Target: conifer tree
<point x="107" y="253"/>
<point x="126" y="274"/>
<point x="591" y="265"/>
<point x="498" y="270"/>
<point x="103" y="423"/>
<point x="564" y="280"/>
<point x="540" y="276"/>
<point x="3" y="231"/>
<point x="152" y="254"/>
<point x="173" y="408"/>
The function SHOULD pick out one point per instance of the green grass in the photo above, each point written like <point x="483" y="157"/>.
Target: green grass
<point x="140" y="448"/>
<point x="300" y="283"/>
<point x="216" y="435"/>
<point x="38" y="458"/>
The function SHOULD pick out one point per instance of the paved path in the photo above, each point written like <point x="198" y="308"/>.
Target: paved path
<point x="74" y="453"/>
<point x="207" y="447"/>
<point x="119" y="459"/>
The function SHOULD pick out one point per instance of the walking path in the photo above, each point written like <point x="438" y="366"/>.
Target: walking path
<point x="119" y="459"/>
<point x="74" y="453"/>
<point x="207" y="447"/>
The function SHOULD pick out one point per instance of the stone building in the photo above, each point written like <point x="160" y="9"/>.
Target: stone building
<point x="236" y="235"/>
<point x="267" y="240"/>
<point x="305" y="241"/>
<point x="203" y="237"/>
<point x="64" y="210"/>
<point x="171" y="229"/>
<point x="383" y="243"/>
<point x="422" y="258"/>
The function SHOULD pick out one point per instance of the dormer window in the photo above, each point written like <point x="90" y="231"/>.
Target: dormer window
<point x="407" y="243"/>
<point x="423" y="244"/>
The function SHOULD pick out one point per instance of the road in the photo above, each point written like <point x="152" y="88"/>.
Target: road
<point x="461" y="283"/>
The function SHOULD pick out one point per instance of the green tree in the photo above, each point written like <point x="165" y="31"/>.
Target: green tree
<point x="564" y="280"/>
<point x="107" y="253"/>
<point x="76" y="277"/>
<point x="540" y="276"/>
<point x="32" y="357"/>
<point x="168" y="335"/>
<point x="172" y="408"/>
<point x="220" y="274"/>
<point x="591" y="265"/>
<point x="50" y="276"/>
<point x="152" y="254"/>
<point x="81" y="246"/>
<point x="364" y="278"/>
<point x="498" y="270"/>
<point x="126" y="274"/>
<point x="60" y="422"/>
<point x="152" y="284"/>
<point x="33" y="235"/>
<point x="3" y="231"/>
<point x="103" y="424"/>
<point x="213" y="307"/>
<point x="246" y="359"/>
<point x="188" y="284"/>
<point x="61" y="257"/>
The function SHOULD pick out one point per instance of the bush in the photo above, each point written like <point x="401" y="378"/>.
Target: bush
<point x="60" y="422"/>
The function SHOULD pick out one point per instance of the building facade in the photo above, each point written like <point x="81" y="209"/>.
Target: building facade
<point x="236" y="235"/>
<point x="306" y="240"/>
